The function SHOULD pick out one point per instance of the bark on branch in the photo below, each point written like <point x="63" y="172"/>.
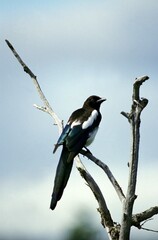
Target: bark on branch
<point x="138" y="218"/>
<point x="134" y="119"/>
<point x="106" y="218"/>
<point x="106" y="169"/>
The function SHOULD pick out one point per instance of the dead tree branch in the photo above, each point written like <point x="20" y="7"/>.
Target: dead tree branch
<point x="106" y="169"/>
<point x="47" y="108"/>
<point x="134" y="119"/>
<point x="106" y="218"/>
<point x="138" y="218"/>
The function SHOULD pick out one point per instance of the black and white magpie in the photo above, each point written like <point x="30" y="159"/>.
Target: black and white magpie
<point x="79" y="132"/>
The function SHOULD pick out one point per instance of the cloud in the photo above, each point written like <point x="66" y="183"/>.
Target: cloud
<point x="100" y="33"/>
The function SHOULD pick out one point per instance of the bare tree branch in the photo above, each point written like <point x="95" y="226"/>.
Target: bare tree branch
<point x="47" y="108"/>
<point x="138" y="218"/>
<point x="134" y="118"/>
<point x="136" y="86"/>
<point x="108" y="173"/>
<point x="106" y="218"/>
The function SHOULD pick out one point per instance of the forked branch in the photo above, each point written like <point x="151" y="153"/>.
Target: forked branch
<point x="134" y="119"/>
<point x="138" y="218"/>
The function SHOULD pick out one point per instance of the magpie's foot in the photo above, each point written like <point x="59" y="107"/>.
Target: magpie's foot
<point x="88" y="151"/>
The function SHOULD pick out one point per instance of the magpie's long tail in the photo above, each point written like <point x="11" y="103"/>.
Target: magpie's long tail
<point x="62" y="176"/>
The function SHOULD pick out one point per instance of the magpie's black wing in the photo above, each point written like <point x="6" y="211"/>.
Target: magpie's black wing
<point x="79" y="131"/>
<point x="69" y="127"/>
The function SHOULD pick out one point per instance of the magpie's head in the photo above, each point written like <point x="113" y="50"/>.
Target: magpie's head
<point x="93" y="102"/>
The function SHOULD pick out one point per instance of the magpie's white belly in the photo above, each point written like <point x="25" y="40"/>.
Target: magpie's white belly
<point x="91" y="137"/>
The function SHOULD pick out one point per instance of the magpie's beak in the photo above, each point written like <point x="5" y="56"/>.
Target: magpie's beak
<point x="101" y="100"/>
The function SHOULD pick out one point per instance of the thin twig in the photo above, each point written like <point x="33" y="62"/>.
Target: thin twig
<point x="147" y="220"/>
<point x="150" y="230"/>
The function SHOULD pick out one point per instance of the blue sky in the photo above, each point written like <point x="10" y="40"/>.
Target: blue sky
<point x="76" y="48"/>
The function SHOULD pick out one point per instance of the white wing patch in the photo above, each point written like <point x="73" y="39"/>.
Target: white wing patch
<point x="90" y="120"/>
<point x="75" y="123"/>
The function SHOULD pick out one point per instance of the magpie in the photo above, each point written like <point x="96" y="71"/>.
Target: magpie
<point x="78" y="133"/>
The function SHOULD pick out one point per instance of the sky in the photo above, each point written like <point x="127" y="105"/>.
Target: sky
<point x="76" y="49"/>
